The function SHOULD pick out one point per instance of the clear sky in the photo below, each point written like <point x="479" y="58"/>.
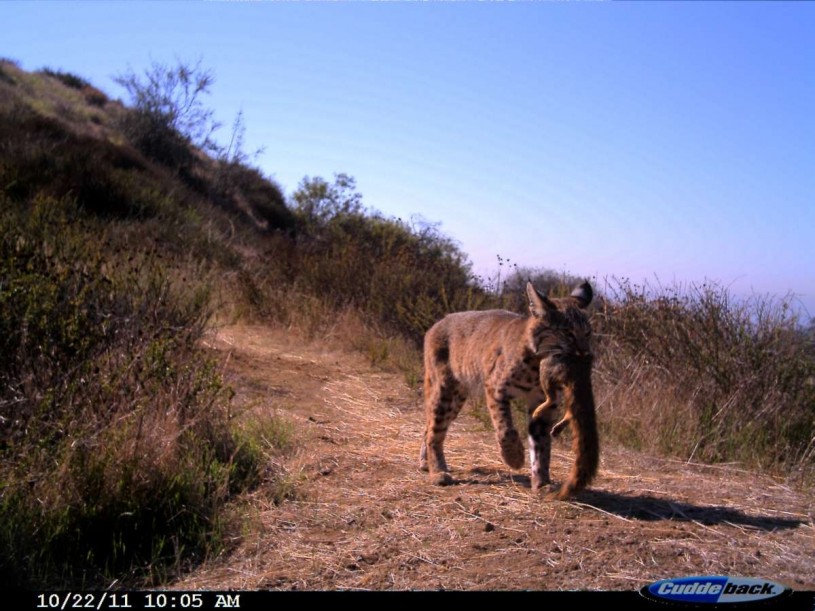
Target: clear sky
<point x="668" y="140"/>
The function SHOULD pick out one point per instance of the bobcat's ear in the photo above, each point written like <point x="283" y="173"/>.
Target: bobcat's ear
<point x="583" y="294"/>
<point x="539" y="304"/>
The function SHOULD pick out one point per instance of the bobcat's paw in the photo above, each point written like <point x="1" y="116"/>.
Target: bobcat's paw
<point x="441" y="478"/>
<point x="539" y="482"/>
<point x="512" y="450"/>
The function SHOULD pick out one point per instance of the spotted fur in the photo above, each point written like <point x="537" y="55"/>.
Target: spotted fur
<point x="508" y="356"/>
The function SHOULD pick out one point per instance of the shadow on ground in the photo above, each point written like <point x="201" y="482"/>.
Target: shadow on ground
<point x="644" y="507"/>
<point x="650" y="508"/>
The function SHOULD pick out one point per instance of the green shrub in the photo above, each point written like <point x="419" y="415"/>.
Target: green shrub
<point x="156" y="140"/>
<point x="265" y="439"/>
<point x="94" y="97"/>
<point x="168" y="116"/>
<point x="40" y="156"/>
<point x="403" y="277"/>
<point x="240" y="187"/>
<point x="116" y="450"/>
<point x="5" y="76"/>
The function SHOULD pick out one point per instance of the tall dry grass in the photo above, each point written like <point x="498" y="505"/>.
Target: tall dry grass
<point x="693" y="371"/>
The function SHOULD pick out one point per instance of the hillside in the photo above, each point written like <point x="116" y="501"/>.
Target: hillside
<point x="123" y="236"/>
<point x="206" y="384"/>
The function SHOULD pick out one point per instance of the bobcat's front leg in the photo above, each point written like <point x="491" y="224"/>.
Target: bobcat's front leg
<point x="512" y="448"/>
<point x="540" y="448"/>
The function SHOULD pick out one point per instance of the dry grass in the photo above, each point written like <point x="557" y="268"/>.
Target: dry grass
<point x="695" y="372"/>
<point x="365" y="517"/>
<point x="345" y="507"/>
<point x="85" y="110"/>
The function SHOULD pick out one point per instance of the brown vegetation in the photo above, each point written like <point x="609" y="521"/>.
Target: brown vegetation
<point x="126" y="459"/>
<point x="695" y="373"/>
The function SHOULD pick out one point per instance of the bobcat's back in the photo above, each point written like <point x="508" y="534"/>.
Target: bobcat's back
<point x="470" y="343"/>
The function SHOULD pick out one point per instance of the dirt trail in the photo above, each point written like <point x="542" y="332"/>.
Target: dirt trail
<point x="365" y="517"/>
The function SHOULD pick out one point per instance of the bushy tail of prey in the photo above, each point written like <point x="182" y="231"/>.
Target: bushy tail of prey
<point x="585" y="441"/>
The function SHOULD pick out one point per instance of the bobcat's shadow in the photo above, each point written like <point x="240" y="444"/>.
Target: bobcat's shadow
<point x="650" y="508"/>
<point x="646" y="507"/>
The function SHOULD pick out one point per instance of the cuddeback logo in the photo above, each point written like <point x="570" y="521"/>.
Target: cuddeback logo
<point x="713" y="590"/>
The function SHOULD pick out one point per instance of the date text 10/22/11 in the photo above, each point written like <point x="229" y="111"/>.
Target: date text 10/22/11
<point x="138" y="600"/>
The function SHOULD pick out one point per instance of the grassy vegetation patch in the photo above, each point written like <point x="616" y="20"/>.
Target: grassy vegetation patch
<point x="707" y="376"/>
<point x="116" y="450"/>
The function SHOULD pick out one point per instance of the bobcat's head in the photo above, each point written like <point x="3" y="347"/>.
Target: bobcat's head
<point x="562" y="338"/>
<point x="560" y="328"/>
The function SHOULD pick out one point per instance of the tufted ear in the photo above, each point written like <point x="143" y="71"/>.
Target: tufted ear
<point x="539" y="303"/>
<point x="583" y="294"/>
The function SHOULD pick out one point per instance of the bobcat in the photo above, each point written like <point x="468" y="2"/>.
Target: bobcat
<point x="511" y="356"/>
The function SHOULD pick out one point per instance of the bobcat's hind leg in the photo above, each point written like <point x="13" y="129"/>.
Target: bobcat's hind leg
<point x="442" y="405"/>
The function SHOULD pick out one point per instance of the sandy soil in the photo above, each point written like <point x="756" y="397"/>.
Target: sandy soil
<point x="364" y="516"/>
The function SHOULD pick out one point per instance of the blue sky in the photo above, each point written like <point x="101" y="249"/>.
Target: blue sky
<point x="647" y="140"/>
